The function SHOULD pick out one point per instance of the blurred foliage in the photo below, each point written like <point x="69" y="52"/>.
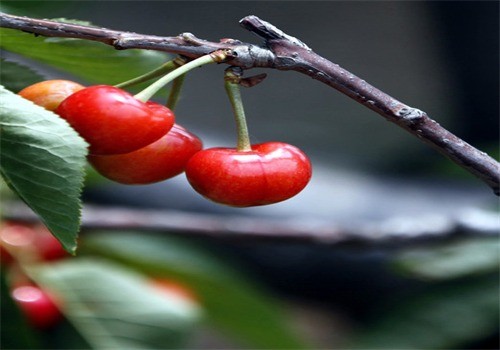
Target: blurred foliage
<point x="459" y="305"/>
<point x="232" y="303"/>
<point x="458" y="259"/>
<point x="115" y="308"/>
<point x="93" y="62"/>
<point x="116" y="305"/>
<point x="444" y="316"/>
<point x="15" y="76"/>
<point x="92" y="177"/>
<point x="34" y="7"/>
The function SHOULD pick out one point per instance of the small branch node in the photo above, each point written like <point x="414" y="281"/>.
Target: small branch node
<point x="230" y="41"/>
<point x="190" y="38"/>
<point x="117" y="44"/>
<point x="250" y="56"/>
<point x="410" y="115"/>
<point x="268" y="31"/>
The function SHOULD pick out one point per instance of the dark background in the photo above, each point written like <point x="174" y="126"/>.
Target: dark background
<point x="441" y="57"/>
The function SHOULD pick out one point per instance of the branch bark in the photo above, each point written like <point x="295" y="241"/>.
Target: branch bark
<point x="284" y="52"/>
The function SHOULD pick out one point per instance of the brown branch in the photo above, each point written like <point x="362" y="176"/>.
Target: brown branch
<point x="407" y="230"/>
<point x="284" y="52"/>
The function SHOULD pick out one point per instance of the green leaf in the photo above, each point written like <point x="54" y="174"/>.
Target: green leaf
<point x="442" y="317"/>
<point x="15" y="76"/>
<point x="449" y="261"/>
<point x="238" y="307"/>
<point x="94" y="62"/>
<point x="115" y="308"/>
<point x="43" y="160"/>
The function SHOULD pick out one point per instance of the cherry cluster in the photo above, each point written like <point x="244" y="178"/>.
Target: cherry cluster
<point x="131" y="142"/>
<point x="136" y="142"/>
<point x="22" y="245"/>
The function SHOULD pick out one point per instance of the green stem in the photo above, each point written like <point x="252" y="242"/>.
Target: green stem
<point x="173" y="98"/>
<point x="152" y="89"/>
<point x="161" y="70"/>
<point x="233" y="92"/>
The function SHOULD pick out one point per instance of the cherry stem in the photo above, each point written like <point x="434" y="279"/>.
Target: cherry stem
<point x="151" y="90"/>
<point x="231" y="83"/>
<point x="165" y="68"/>
<point x="173" y="97"/>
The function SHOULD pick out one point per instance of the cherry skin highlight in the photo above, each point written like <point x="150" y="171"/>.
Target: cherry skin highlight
<point x="161" y="160"/>
<point x="36" y="241"/>
<point x="16" y="238"/>
<point x="113" y="121"/>
<point x="37" y="306"/>
<point x="271" y="172"/>
<point x="50" y="93"/>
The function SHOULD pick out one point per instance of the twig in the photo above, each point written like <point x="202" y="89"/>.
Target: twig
<point x="284" y="52"/>
<point x="389" y="232"/>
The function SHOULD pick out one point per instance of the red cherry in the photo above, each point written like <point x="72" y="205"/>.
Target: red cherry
<point x="271" y="172"/>
<point x="17" y="235"/>
<point x="113" y="121"/>
<point x="170" y="288"/>
<point x="18" y="239"/>
<point x="36" y="241"/>
<point x="158" y="161"/>
<point x="50" y="93"/>
<point x="5" y="257"/>
<point x="48" y="246"/>
<point x="37" y="305"/>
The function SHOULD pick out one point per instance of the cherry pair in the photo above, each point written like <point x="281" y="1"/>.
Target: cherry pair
<point x="130" y="141"/>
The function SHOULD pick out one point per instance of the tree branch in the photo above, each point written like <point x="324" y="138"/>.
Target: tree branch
<point x="284" y="52"/>
<point x="390" y="232"/>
